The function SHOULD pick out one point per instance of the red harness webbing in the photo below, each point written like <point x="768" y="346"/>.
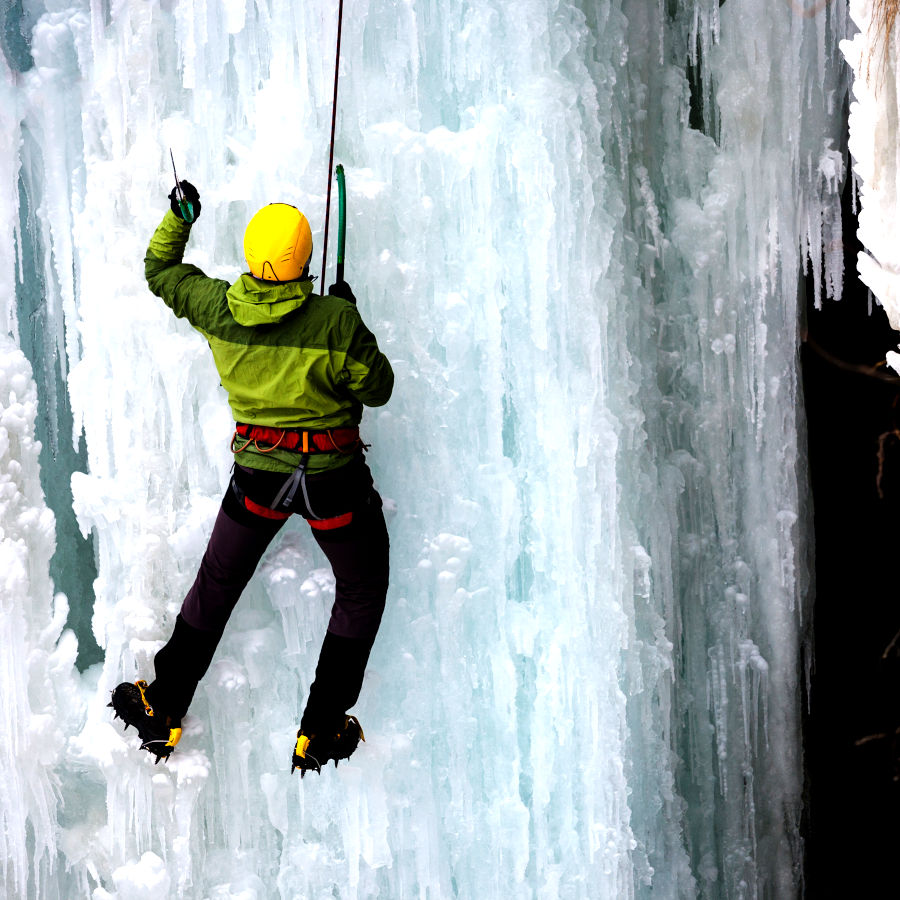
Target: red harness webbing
<point x="332" y="523"/>
<point x="319" y="524"/>
<point x="259" y="510"/>
<point x="330" y="440"/>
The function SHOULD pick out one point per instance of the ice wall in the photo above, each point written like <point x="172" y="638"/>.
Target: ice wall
<point x="38" y="664"/>
<point x="578" y="231"/>
<point x="37" y="667"/>
<point x="874" y="139"/>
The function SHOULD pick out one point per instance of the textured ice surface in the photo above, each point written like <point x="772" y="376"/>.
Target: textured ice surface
<point x="874" y="142"/>
<point x="578" y="231"/>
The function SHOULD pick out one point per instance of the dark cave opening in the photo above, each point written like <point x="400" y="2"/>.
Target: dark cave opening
<point x="850" y="732"/>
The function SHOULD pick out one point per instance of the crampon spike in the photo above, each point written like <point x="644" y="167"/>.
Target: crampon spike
<point x="304" y="769"/>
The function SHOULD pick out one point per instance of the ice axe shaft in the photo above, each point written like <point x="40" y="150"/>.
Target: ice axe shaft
<point x="342" y="221"/>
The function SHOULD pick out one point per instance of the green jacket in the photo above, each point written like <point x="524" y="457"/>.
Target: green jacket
<point x="287" y="357"/>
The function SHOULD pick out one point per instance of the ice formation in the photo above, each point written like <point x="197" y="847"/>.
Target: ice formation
<point x="579" y="231"/>
<point x="875" y="138"/>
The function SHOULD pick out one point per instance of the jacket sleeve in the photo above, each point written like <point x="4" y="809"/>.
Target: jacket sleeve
<point x="368" y="375"/>
<point x="184" y="288"/>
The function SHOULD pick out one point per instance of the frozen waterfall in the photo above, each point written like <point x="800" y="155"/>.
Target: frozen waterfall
<point x="875" y="139"/>
<point x="579" y="232"/>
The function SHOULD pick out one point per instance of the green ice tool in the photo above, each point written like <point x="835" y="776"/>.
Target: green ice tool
<point x="342" y="221"/>
<point x="185" y="205"/>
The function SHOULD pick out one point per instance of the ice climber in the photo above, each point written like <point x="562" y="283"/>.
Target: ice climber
<point x="298" y="368"/>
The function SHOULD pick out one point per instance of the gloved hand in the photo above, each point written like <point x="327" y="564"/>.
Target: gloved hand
<point x="342" y="289"/>
<point x="190" y="193"/>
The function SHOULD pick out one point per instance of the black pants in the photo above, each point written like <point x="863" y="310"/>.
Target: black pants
<point x="345" y="511"/>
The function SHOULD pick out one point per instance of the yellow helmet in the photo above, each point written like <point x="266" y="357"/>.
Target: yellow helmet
<point x="278" y="243"/>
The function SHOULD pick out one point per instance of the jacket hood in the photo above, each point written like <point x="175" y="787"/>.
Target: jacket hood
<point x="255" y="302"/>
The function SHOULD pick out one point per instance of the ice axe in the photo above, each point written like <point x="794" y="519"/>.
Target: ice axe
<point x="342" y="226"/>
<point x="185" y="205"/>
<point x="342" y="220"/>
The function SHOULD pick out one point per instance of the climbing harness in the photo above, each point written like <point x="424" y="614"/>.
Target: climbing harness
<point x="306" y="442"/>
<point x="327" y="440"/>
<point x="337" y="61"/>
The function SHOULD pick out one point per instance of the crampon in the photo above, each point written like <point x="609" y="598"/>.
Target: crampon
<point x="313" y="751"/>
<point x="158" y="733"/>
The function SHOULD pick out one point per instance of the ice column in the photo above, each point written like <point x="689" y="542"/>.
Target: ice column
<point x="40" y="699"/>
<point x="734" y="168"/>
<point x="37" y="664"/>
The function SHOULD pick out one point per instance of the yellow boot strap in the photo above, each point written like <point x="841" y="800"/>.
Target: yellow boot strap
<point x="142" y="686"/>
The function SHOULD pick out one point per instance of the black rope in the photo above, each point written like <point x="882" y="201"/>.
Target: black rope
<point x="337" y="62"/>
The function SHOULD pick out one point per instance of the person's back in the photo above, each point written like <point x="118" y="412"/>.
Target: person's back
<point x="287" y="357"/>
<point x="298" y="368"/>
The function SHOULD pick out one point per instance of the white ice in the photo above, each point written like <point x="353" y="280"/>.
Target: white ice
<point x="588" y="679"/>
<point x="874" y="143"/>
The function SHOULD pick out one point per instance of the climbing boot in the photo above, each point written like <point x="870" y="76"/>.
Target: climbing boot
<point x="313" y="751"/>
<point x="158" y="733"/>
